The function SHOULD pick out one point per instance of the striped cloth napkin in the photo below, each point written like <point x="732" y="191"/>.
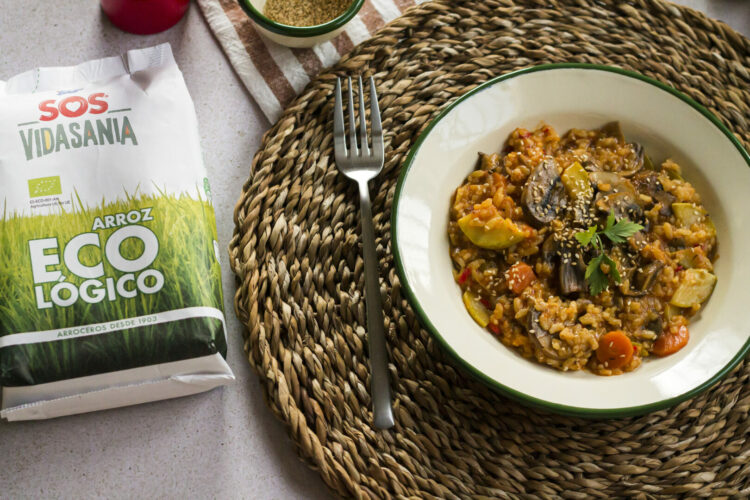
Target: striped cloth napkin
<point x="274" y="74"/>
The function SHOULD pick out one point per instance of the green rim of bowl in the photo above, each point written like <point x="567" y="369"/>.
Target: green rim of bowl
<point x="301" y="31"/>
<point x="512" y="393"/>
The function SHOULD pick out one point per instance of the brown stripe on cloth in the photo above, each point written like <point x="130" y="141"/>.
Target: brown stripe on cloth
<point x="258" y="52"/>
<point x="342" y="43"/>
<point x="371" y="18"/>
<point x="309" y="61"/>
<point x="404" y="4"/>
<point x="232" y="6"/>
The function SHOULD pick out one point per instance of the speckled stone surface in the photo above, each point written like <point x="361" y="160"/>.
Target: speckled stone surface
<point x="223" y="444"/>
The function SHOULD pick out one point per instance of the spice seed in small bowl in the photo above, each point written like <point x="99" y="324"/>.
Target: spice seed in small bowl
<point x="305" y="12"/>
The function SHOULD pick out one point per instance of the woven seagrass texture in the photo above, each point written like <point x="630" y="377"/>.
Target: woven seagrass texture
<point x="300" y="278"/>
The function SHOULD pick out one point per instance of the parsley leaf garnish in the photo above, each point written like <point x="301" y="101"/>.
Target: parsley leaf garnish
<point x="598" y="281"/>
<point x="585" y="237"/>
<point x="620" y="232"/>
<point x="613" y="272"/>
<point x="617" y="232"/>
<point x="610" y="220"/>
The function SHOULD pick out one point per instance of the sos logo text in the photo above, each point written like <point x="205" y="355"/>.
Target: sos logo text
<point x="73" y="106"/>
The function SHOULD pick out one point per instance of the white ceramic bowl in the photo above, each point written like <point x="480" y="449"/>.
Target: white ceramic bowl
<point x="298" y="36"/>
<point x="669" y="125"/>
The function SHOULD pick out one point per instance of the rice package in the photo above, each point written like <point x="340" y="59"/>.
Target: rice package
<point x="110" y="285"/>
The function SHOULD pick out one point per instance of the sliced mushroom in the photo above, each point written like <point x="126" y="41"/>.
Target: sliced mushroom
<point x="539" y="336"/>
<point x="648" y="183"/>
<point x="640" y="159"/>
<point x="572" y="280"/>
<point x="543" y="195"/>
<point x="572" y="275"/>
<point x="627" y="264"/>
<point x="676" y="244"/>
<point x="626" y="290"/>
<point x="637" y="283"/>
<point x="550" y="249"/>
<point x="623" y="204"/>
<point x="646" y="276"/>
<point x="655" y="325"/>
<point x="619" y="196"/>
<point x="666" y="200"/>
<point x="636" y="166"/>
<point x="589" y="163"/>
<point x="640" y="155"/>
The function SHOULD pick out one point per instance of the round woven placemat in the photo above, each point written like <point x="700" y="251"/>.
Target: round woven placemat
<point x="297" y="258"/>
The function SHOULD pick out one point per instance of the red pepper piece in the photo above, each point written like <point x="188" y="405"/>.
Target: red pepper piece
<point x="464" y="276"/>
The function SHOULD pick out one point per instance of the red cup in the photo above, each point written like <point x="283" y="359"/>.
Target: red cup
<point x="144" y="17"/>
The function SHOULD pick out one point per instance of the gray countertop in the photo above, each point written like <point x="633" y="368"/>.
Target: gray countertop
<point x="221" y="444"/>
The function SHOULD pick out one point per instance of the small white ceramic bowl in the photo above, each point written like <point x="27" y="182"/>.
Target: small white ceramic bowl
<point x="669" y="125"/>
<point x="298" y="36"/>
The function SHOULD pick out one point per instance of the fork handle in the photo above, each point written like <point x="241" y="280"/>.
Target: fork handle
<point x="379" y="385"/>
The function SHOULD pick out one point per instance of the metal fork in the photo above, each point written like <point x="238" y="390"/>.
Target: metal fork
<point x="362" y="163"/>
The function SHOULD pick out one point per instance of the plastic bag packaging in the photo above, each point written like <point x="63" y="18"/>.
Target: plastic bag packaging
<point x="110" y="285"/>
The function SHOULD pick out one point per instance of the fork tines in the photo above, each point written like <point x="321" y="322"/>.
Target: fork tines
<point x="358" y="146"/>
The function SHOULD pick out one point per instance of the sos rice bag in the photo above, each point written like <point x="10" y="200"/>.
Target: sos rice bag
<point x="110" y="286"/>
